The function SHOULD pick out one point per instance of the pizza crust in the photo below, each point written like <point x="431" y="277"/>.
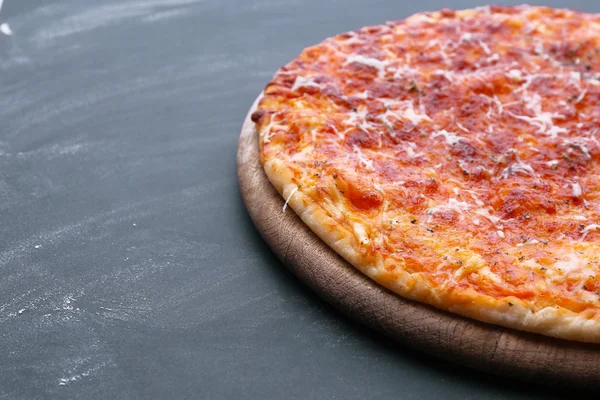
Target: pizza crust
<point x="556" y="322"/>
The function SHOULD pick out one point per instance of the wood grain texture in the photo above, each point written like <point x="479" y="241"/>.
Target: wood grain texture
<point x="471" y="343"/>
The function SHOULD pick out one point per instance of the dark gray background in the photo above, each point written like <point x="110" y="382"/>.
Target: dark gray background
<point x="128" y="265"/>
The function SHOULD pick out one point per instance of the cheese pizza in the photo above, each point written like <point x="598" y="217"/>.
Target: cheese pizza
<point x="453" y="157"/>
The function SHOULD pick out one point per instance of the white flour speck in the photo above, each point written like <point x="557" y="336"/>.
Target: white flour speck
<point x="67" y="303"/>
<point x="76" y="377"/>
<point x="66" y="381"/>
<point x="5" y="28"/>
<point x="106" y="15"/>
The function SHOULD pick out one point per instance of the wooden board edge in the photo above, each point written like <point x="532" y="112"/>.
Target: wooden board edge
<point x="485" y="347"/>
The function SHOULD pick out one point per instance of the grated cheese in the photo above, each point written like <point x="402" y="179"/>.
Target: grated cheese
<point x="451" y="138"/>
<point x="302" y="81"/>
<point x="453" y="205"/>
<point x="518" y="167"/>
<point x="289" y="198"/>
<point x="372" y="62"/>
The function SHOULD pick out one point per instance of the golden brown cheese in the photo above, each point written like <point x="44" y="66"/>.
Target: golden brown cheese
<point x="460" y="151"/>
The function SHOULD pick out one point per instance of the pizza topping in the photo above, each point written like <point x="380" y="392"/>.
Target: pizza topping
<point x="477" y="130"/>
<point x="289" y="198"/>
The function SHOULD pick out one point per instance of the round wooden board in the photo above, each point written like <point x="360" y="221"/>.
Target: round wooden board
<point x="471" y="343"/>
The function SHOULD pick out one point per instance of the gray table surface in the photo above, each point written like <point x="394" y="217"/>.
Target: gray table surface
<point x="128" y="265"/>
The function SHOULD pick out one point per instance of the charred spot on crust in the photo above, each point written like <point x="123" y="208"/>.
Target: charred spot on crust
<point x="256" y="116"/>
<point x="447" y="13"/>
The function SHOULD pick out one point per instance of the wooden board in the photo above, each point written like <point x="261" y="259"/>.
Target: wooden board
<point x="471" y="343"/>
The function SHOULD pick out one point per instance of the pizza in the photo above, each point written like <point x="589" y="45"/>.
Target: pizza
<point x="453" y="157"/>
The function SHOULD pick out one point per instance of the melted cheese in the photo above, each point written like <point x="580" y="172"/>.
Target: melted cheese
<point x="518" y="168"/>
<point x="451" y="138"/>
<point x="452" y="205"/>
<point x="303" y="82"/>
<point x="372" y="62"/>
